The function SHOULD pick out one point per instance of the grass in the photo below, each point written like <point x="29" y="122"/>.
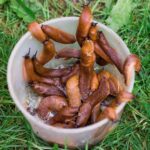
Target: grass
<point x="133" y="131"/>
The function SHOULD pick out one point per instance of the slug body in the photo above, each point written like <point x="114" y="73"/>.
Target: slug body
<point x="86" y="68"/>
<point x="109" y="113"/>
<point x="99" y="51"/>
<point x="37" y="32"/>
<point x="111" y="53"/>
<point x="84" y="114"/>
<point x="47" y="53"/>
<point x="58" y="35"/>
<point x="96" y="97"/>
<point x="132" y="62"/>
<point x="114" y="84"/>
<point x="50" y="103"/>
<point x="64" y="114"/>
<point x="100" y="94"/>
<point x="124" y="96"/>
<point x="68" y="53"/>
<point x="46" y="90"/>
<point x="73" y="91"/>
<point x="74" y="71"/>
<point x="95" y="113"/>
<point x="84" y="24"/>
<point x="31" y="76"/>
<point x="93" y="32"/>
<point x="94" y="82"/>
<point x="47" y="72"/>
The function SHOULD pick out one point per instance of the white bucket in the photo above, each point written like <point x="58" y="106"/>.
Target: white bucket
<point x="72" y="137"/>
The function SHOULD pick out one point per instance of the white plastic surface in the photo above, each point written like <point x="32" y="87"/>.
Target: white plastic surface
<point x="72" y="137"/>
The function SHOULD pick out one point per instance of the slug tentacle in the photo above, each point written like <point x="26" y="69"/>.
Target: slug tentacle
<point x="27" y="55"/>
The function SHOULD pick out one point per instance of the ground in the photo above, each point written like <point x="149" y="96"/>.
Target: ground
<point x="133" y="131"/>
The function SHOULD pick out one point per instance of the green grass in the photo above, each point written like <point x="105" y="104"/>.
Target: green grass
<point x="133" y="131"/>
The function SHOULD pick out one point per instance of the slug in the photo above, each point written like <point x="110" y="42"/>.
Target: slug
<point x="111" y="53"/>
<point x="84" y="24"/>
<point x="110" y="111"/>
<point x="58" y="35"/>
<point x="96" y="97"/>
<point x="68" y="53"/>
<point x="46" y="90"/>
<point x="95" y="112"/>
<point x="86" y="68"/>
<point x="131" y="62"/>
<point x="30" y="75"/>
<point x="47" y="53"/>
<point x="94" y="81"/>
<point x="63" y="114"/>
<point x="50" y="103"/>
<point x="93" y="31"/>
<point x="100" y="52"/>
<point x="73" y="91"/>
<point x="48" y="72"/>
<point x="74" y="71"/>
<point x="37" y="32"/>
<point x="114" y="84"/>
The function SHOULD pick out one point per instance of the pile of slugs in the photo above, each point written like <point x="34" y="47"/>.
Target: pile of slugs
<point x="74" y="94"/>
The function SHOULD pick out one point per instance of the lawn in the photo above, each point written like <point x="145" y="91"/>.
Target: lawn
<point x="133" y="131"/>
